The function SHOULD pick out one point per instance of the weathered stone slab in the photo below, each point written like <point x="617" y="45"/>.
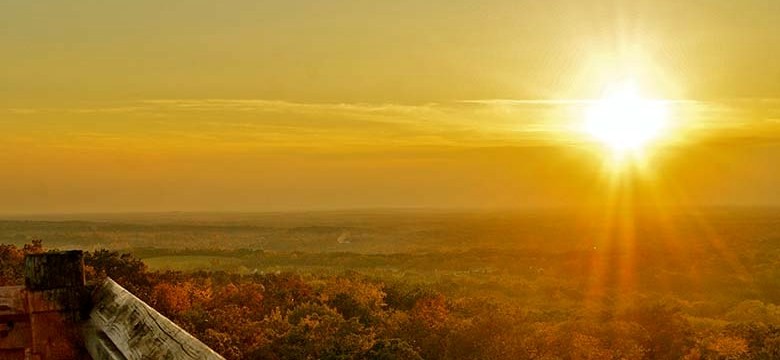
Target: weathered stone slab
<point x="99" y="345"/>
<point x="122" y="327"/>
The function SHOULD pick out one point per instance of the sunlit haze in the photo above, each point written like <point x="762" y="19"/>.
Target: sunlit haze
<point x="149" y="106"/>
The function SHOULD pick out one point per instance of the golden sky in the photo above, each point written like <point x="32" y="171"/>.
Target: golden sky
<point x="266" y="105"/>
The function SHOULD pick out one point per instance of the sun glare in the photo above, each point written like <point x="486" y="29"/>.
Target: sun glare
<point x="624" y="121"/>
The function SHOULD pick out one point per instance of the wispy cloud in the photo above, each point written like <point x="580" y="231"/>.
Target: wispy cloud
<point x="259" y="122"/>
<point x="521" y="102"/>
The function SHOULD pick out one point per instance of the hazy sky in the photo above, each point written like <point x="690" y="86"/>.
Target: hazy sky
<point x="264" y="105"/>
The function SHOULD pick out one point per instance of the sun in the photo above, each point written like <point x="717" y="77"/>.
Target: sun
<point x="624" y="121"/>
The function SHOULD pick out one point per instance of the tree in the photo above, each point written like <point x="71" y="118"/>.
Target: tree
<point x="12" y="261"/>
<point x="319" y="332"/>
<point x="669" y="333"/>
<point x="728" y="347"/>
<point x="124" y="268"/>
<point x="391" y="349"/>
<point x="172" y="299"/>
<point x="427" y="328"/>
<point x="11" y="265"/>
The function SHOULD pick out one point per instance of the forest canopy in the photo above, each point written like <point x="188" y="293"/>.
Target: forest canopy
<point x="349" y="315"/>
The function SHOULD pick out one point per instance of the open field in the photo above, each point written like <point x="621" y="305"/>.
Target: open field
<point x="195" y="263"/>
<point x="726" y="255"/>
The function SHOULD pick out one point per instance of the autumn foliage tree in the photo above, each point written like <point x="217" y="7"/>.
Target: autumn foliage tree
<point x="287" y="315"/>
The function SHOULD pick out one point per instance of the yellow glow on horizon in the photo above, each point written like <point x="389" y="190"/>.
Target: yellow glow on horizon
<point x="624" y="121"/>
